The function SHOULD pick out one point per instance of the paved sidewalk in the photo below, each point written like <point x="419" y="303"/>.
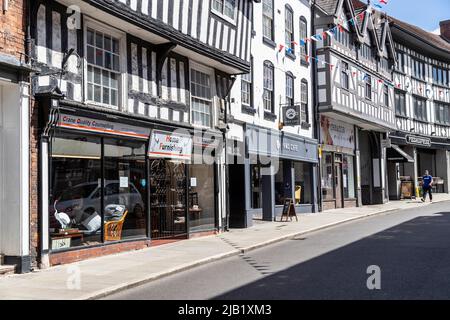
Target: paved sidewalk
<point x="105" y="275"/>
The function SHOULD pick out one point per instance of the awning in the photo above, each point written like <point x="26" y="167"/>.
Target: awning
<point x="396" y="154"/>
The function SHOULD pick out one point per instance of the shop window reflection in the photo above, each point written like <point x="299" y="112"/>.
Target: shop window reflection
<point x="201" y="198"/>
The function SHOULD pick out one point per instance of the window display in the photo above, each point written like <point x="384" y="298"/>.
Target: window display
<point x="201" y="198"/>
<point x="327" y="176"/>
<point x="82" y="181"/>
<point x="75" y="191"/>
<point x="303" y="183"/>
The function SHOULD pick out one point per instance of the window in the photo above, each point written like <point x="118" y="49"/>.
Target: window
<point x="303" y="188"/>
<point x="268" y="96"/>
<point x="418" y="69"/>
<point x="327" y="183"/>
<point x="256" y="185"/>
<point x="289" y="89"/>
<point x="367" y="53"/>
<point x="201" y="98"/>
<point x="386" y="95"/>
<point x="225" y="8"/>
<point x="201" y="197"/>
<point x="268" y="23"/>
<point x="289" y="29"/>
<point x="368" y="87"/>
<point x="384" y="64"/>
<point x="103" y="68"/>
<point x="303" y="35"/>
<point x="282" y="187"/>
<point x="348" y="177"/>
<point x="420" y="111"/>
<point x="304" y="101"/>
<point x="400" y="103"/>
<point x="93" y="181"/>
<point x="344" y="38"/>
<point x="401" y="61"/>
<point x="344" y="75"/>
<point x="440" y="76"/>
<point x="442" y="113"/>
<point x="246" y="89"/>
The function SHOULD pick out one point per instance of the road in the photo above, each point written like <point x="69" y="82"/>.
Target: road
<point x="411" y="249"/>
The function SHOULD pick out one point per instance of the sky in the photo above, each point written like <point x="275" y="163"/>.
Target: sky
<point x="425" y="14"/>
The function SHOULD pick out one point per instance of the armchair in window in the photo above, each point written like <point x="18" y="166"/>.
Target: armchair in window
<point x="113" y="229"/>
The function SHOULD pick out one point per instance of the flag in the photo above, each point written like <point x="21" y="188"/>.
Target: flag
<point x="289" y="50"/>
<point x="341" y="29"/>
<point x="351" y="22"/>
<point x="331" y="67"/>
<point x="377" y="5"/>
<point x="384" y="1"/>
<point x="318" y="36"/>
<point x="361" y="15"/>
<point x="295" y="43"/>
<point x="354" y="74"/>
<point x="281" y="48"/>
<point x="331" y="32"/>
<point x="324" y="35"/>
<point x="380" y="80"/>
<point x="314" y="38"/>
<point x="302" y="42"/>
<point x="306" y="58"/>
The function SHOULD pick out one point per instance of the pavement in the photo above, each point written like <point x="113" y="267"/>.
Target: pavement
<point x="99" y="277"/>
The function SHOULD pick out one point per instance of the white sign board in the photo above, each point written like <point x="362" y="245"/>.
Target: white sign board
<point x="336" y="133"/>
<point x="170" y="145"/>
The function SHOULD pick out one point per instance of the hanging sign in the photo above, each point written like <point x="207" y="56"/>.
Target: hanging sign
<point x="420" y="141"/>
<point x="170" y="145"/>
<point x="291" y="116"/>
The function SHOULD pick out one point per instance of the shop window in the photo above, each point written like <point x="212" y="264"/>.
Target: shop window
<point x="201" y="198"/>
<point x="348" y="177"/>
<point x="280" y="184"/>
<point x="256" y="186"/>
<point x="126" y="187"/>
<point x="75" y="192"/>
<point x="303" y="183"/>
<point x="327" y="176"/>
<point x="78" y="188"/>
<point x="103" y="68"/>
<point x="201" y="93"/>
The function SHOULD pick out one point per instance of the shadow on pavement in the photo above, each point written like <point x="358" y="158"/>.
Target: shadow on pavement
<point x="414" y="258"/>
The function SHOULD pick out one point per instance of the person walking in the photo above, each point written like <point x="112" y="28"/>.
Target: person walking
<point x="427" y="185"/>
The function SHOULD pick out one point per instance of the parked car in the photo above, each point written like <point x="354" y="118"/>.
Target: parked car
<point x="84" y="199"/>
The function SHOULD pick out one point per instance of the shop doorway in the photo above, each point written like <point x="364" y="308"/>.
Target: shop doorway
<point x="168" y="191"/>
<point x="338" y="182"/>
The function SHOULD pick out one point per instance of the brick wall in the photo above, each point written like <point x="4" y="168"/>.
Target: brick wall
<point x="12" y="29"/>
<point x="34" y="183"/>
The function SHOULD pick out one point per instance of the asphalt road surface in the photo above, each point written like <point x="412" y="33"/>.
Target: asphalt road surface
<point x="411" y="249"/>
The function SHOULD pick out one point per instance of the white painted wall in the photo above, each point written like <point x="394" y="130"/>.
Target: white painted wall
<point x="14" y="169"/>
<point x="262" y="52"/>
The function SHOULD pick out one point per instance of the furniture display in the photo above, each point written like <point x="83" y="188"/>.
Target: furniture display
<point x="113" y="229"/>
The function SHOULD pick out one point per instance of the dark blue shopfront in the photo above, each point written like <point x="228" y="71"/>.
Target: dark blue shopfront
<point x="274" y="166"/>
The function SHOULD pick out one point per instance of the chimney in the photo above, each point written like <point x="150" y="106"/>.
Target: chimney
<point x="445" y="29"/>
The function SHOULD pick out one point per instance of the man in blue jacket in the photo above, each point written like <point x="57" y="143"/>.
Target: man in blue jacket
<point x="427" y="185"/>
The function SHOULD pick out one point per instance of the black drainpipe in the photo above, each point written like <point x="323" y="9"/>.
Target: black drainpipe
<point x="316" y="109"/>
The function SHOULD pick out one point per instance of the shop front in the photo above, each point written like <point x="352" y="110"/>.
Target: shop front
<point x="114" y="185"/>
<point x="338" y="164"/>
<point x="276" y="166"/>
<point x="422" y="154"/>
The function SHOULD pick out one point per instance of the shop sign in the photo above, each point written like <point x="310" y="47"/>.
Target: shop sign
<point x="170" y="145"/>
<point x="336" y="133"/>
<point x="291" y="116"/>
<point x="101" y="126"/>
<point x="418" y="141"/>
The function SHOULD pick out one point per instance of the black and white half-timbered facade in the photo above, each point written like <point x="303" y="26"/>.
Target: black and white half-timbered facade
<point x="355" y="101"/>
<point x="422" y="107"/>
<point x="132" y="94"/>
